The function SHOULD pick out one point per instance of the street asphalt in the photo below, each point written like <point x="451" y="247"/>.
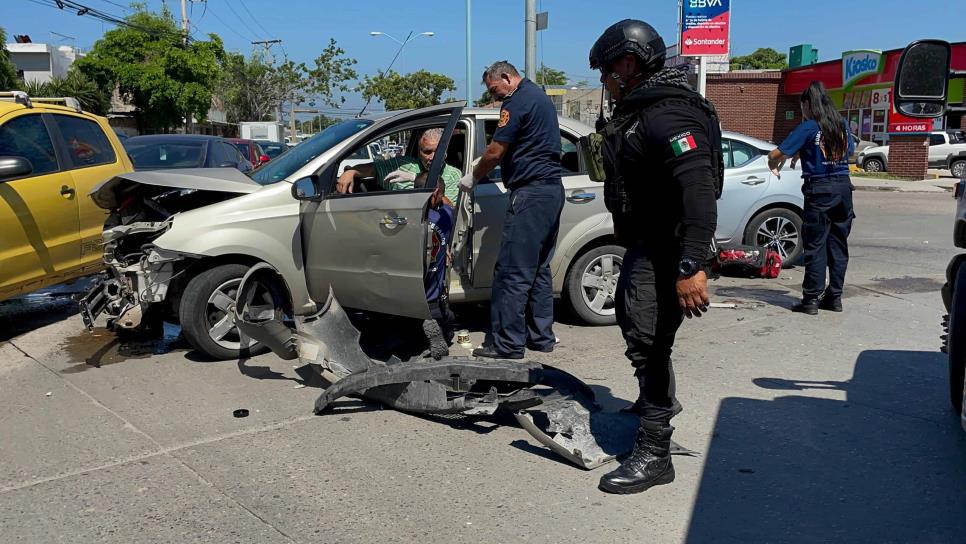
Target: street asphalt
<point x="835" y="428"/>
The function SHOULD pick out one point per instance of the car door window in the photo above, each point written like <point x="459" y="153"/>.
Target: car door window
<point x="86" y="143"/>
<point x="726" y="151"/>
<point x="223" y="153"/>
<point x="936" y="139"/>
<point x="569" y="155"/>
<point x="26" y="136"/>
<point x="742" y="153"/>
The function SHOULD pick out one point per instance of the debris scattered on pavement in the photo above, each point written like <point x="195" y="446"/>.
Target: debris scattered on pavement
<point x="241" y="412"/>
<point x="299" y="386"/>
<point x="49" y="393"/>
<point x="729" y="305"/>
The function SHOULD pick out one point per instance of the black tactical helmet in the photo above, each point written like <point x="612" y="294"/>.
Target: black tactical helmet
<point x="629" y="36"/>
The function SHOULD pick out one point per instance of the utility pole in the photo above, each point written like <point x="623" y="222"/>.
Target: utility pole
<point x="530" y="65"/>
<point x="292" y="111"/>
<point x="184" y="21"/>
<point x="267" y="47"/>
<point x="469" y="56"/>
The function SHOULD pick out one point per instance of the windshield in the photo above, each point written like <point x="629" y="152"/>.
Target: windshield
<point x="157" y="155"/>
<point x="300" y="155"/>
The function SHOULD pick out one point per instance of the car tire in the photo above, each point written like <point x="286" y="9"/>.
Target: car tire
<point x="956" y="341"/>
<point x="582" y="296"/>
<point x="779" y="229"/>
<point x="204" y="307"/>
<point x="873" y="165"/>
<point x="958" y="169"/>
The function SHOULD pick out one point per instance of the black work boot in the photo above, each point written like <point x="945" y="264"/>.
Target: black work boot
<point x="807" y="306"/>
<point x="648" y="465"/>
<point x="830" y="303"/>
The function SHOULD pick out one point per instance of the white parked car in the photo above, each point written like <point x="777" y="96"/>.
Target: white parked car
<point x="947" y="150"/>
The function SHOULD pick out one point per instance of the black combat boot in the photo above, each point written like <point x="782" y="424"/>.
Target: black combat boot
<point x="830" y="303"/>
<point x="648" y="465"/>
<point x="807" y="306"/>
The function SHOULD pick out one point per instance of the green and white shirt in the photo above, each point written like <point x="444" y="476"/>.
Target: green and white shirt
<point x="450" y="176"/>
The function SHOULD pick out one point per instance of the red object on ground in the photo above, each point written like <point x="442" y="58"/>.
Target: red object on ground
<point x="748" y="261"/>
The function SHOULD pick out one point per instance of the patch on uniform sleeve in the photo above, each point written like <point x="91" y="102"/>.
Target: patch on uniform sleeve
<point x="504" y="118"/>
<point x="682" y="143"/>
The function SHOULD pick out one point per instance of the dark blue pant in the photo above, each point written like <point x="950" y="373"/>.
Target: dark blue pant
<point x="828" y="221"/>
<point x="521" y="308"/>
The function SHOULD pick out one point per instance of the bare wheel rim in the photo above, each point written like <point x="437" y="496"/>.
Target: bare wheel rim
<point x="598" y="283"/>
<point x="221" y="328"/>
<point x="958" y="169"/>
<point x="780" y="234"/>
<point x="873" y="166"/>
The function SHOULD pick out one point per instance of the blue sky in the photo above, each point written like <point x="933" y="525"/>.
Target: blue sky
<point x="305" y="26"/>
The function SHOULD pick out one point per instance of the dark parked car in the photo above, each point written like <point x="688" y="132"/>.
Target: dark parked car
<point x="251" y="150"/>
<point x="164" y="151"/>
<point x="272" y="149"/>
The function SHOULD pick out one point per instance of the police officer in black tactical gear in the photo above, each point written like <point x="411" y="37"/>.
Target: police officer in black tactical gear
<point x="663" y="164"/>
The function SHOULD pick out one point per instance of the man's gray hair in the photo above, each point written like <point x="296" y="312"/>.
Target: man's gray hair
<point x="499" y="67"/>
<point x="433" y="134"/>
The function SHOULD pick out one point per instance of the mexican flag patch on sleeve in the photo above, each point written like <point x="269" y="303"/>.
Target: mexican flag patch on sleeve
<point x="682" y="144"/>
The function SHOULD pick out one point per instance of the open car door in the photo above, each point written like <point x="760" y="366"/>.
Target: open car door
<point x="370" y="246"/>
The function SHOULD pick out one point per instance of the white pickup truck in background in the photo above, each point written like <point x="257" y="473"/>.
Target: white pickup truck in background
<point x="947" y="150"/>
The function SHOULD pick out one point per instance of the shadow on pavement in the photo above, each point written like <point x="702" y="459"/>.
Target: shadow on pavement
<point x="40" y="308"/>
<point x="888" y="464"/>
<point x="779" y="297"/>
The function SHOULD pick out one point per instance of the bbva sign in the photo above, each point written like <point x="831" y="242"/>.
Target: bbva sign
<point x="859" y="64"/>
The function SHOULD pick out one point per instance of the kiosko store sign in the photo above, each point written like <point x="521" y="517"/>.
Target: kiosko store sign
<point x="857" y="65"/>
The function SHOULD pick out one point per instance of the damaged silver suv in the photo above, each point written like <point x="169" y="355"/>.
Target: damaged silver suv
<point x="177" y="244"/>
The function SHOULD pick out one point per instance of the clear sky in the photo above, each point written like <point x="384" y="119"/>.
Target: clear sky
<point x="305" y="27"/>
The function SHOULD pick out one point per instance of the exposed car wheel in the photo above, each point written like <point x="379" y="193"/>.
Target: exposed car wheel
<point x="779" y="229"/>
<point x="873" y="165"/>
<point x="592" y="284"/>
<point x="958" y="168"/>
<point x="205" y="312"/>
<point x="956" y="341"/>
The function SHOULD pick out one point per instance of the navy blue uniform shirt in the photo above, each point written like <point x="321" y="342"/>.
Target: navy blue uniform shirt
<point x="528" y="123"/>
<point x="806" y="140"/>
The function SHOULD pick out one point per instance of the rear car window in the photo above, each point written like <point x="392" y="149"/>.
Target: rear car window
<point x="156" y="155"/>
<point x="241" y="146"/>
<point x="26" y="136"/>
<point x="87" y="145"/>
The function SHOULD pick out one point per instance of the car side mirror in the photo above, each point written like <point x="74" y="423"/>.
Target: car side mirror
<point x="922" y="78"/>
<point x="14" y="167"/>
<point x="304" y="189"/>
<point x="263" y="159"/>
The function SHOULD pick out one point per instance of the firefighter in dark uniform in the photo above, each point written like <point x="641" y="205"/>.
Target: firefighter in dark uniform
<point x="662" y="158"/>
<point x="526" y="145"/>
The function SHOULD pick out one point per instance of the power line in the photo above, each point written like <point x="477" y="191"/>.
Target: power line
<point x="250" y="29"/>
<point x="223" y="23"/>
<point x="257" y="22"/>
<point x="81" y="9"/>
<point x="122" y="6"/>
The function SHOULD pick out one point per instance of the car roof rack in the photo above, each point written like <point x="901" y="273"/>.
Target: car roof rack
<point x="21" y="97"/>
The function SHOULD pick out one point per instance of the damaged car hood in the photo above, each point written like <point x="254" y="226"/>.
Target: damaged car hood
<point x="223" y="180"/>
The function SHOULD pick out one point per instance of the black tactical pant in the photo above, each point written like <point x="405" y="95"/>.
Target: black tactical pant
<point x="828" y="221"/>
<point x="649" y="315"/>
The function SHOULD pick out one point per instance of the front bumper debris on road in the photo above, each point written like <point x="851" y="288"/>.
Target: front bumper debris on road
<point x="557" y="408"/>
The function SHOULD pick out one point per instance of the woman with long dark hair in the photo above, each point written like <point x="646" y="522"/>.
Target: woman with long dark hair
<point x="823" y="146"/>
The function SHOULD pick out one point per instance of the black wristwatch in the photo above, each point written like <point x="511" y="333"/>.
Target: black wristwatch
<point x="688" y="267"/>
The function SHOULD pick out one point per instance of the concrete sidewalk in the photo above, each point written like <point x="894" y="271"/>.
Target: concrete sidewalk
<point x="937" y="185"/>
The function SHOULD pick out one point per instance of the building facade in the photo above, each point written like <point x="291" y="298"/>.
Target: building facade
<point x="42" y="62"/>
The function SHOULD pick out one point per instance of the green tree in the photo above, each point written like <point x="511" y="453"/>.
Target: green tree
<point x="548" y="76"/>
<point x="8" y="72"/>
<point x="166" y="80"/>
<point x="75" y="84"/>
<point x="252" y="89"/>
<point x="415" y="90"/>
<point x="485" y="99"/>
<point x="762" y="59"/>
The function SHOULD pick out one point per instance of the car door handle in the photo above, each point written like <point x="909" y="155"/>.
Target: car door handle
<point x="393" y="220"/>
<point x="66" y="191"/>
<point x="753" y="180"/>
<point x="580" y="197"/>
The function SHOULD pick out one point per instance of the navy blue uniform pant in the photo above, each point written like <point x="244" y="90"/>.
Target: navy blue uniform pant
<point x="828" y="221"/>
<point x="521" y="308"/>
<point x="649" y="314"/>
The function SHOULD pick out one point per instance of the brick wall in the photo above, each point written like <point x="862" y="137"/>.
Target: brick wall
<point x="749" y="102"/>
<point x="908" y="156"/>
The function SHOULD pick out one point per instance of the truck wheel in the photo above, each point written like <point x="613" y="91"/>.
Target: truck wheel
<point x="873" y="165"/>
<point x="779" y="229"/>
<point x="958" y="168"/>
<point x="956" y="341"/>
<point x="205" y="312"/>
<point x="592" y="284"/>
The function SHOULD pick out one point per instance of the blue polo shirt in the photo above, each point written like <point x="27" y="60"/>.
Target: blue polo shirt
<point x="806" y="140"/>
<point x="528" y="123"/>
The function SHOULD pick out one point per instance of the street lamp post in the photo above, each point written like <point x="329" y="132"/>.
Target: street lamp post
<point x="410" y="37"/>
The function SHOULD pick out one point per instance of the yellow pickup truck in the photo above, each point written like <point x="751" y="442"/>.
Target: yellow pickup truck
<point x="51" y="156"/>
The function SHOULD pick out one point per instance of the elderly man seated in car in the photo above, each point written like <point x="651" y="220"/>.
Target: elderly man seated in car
<point x="405" y="172"/>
